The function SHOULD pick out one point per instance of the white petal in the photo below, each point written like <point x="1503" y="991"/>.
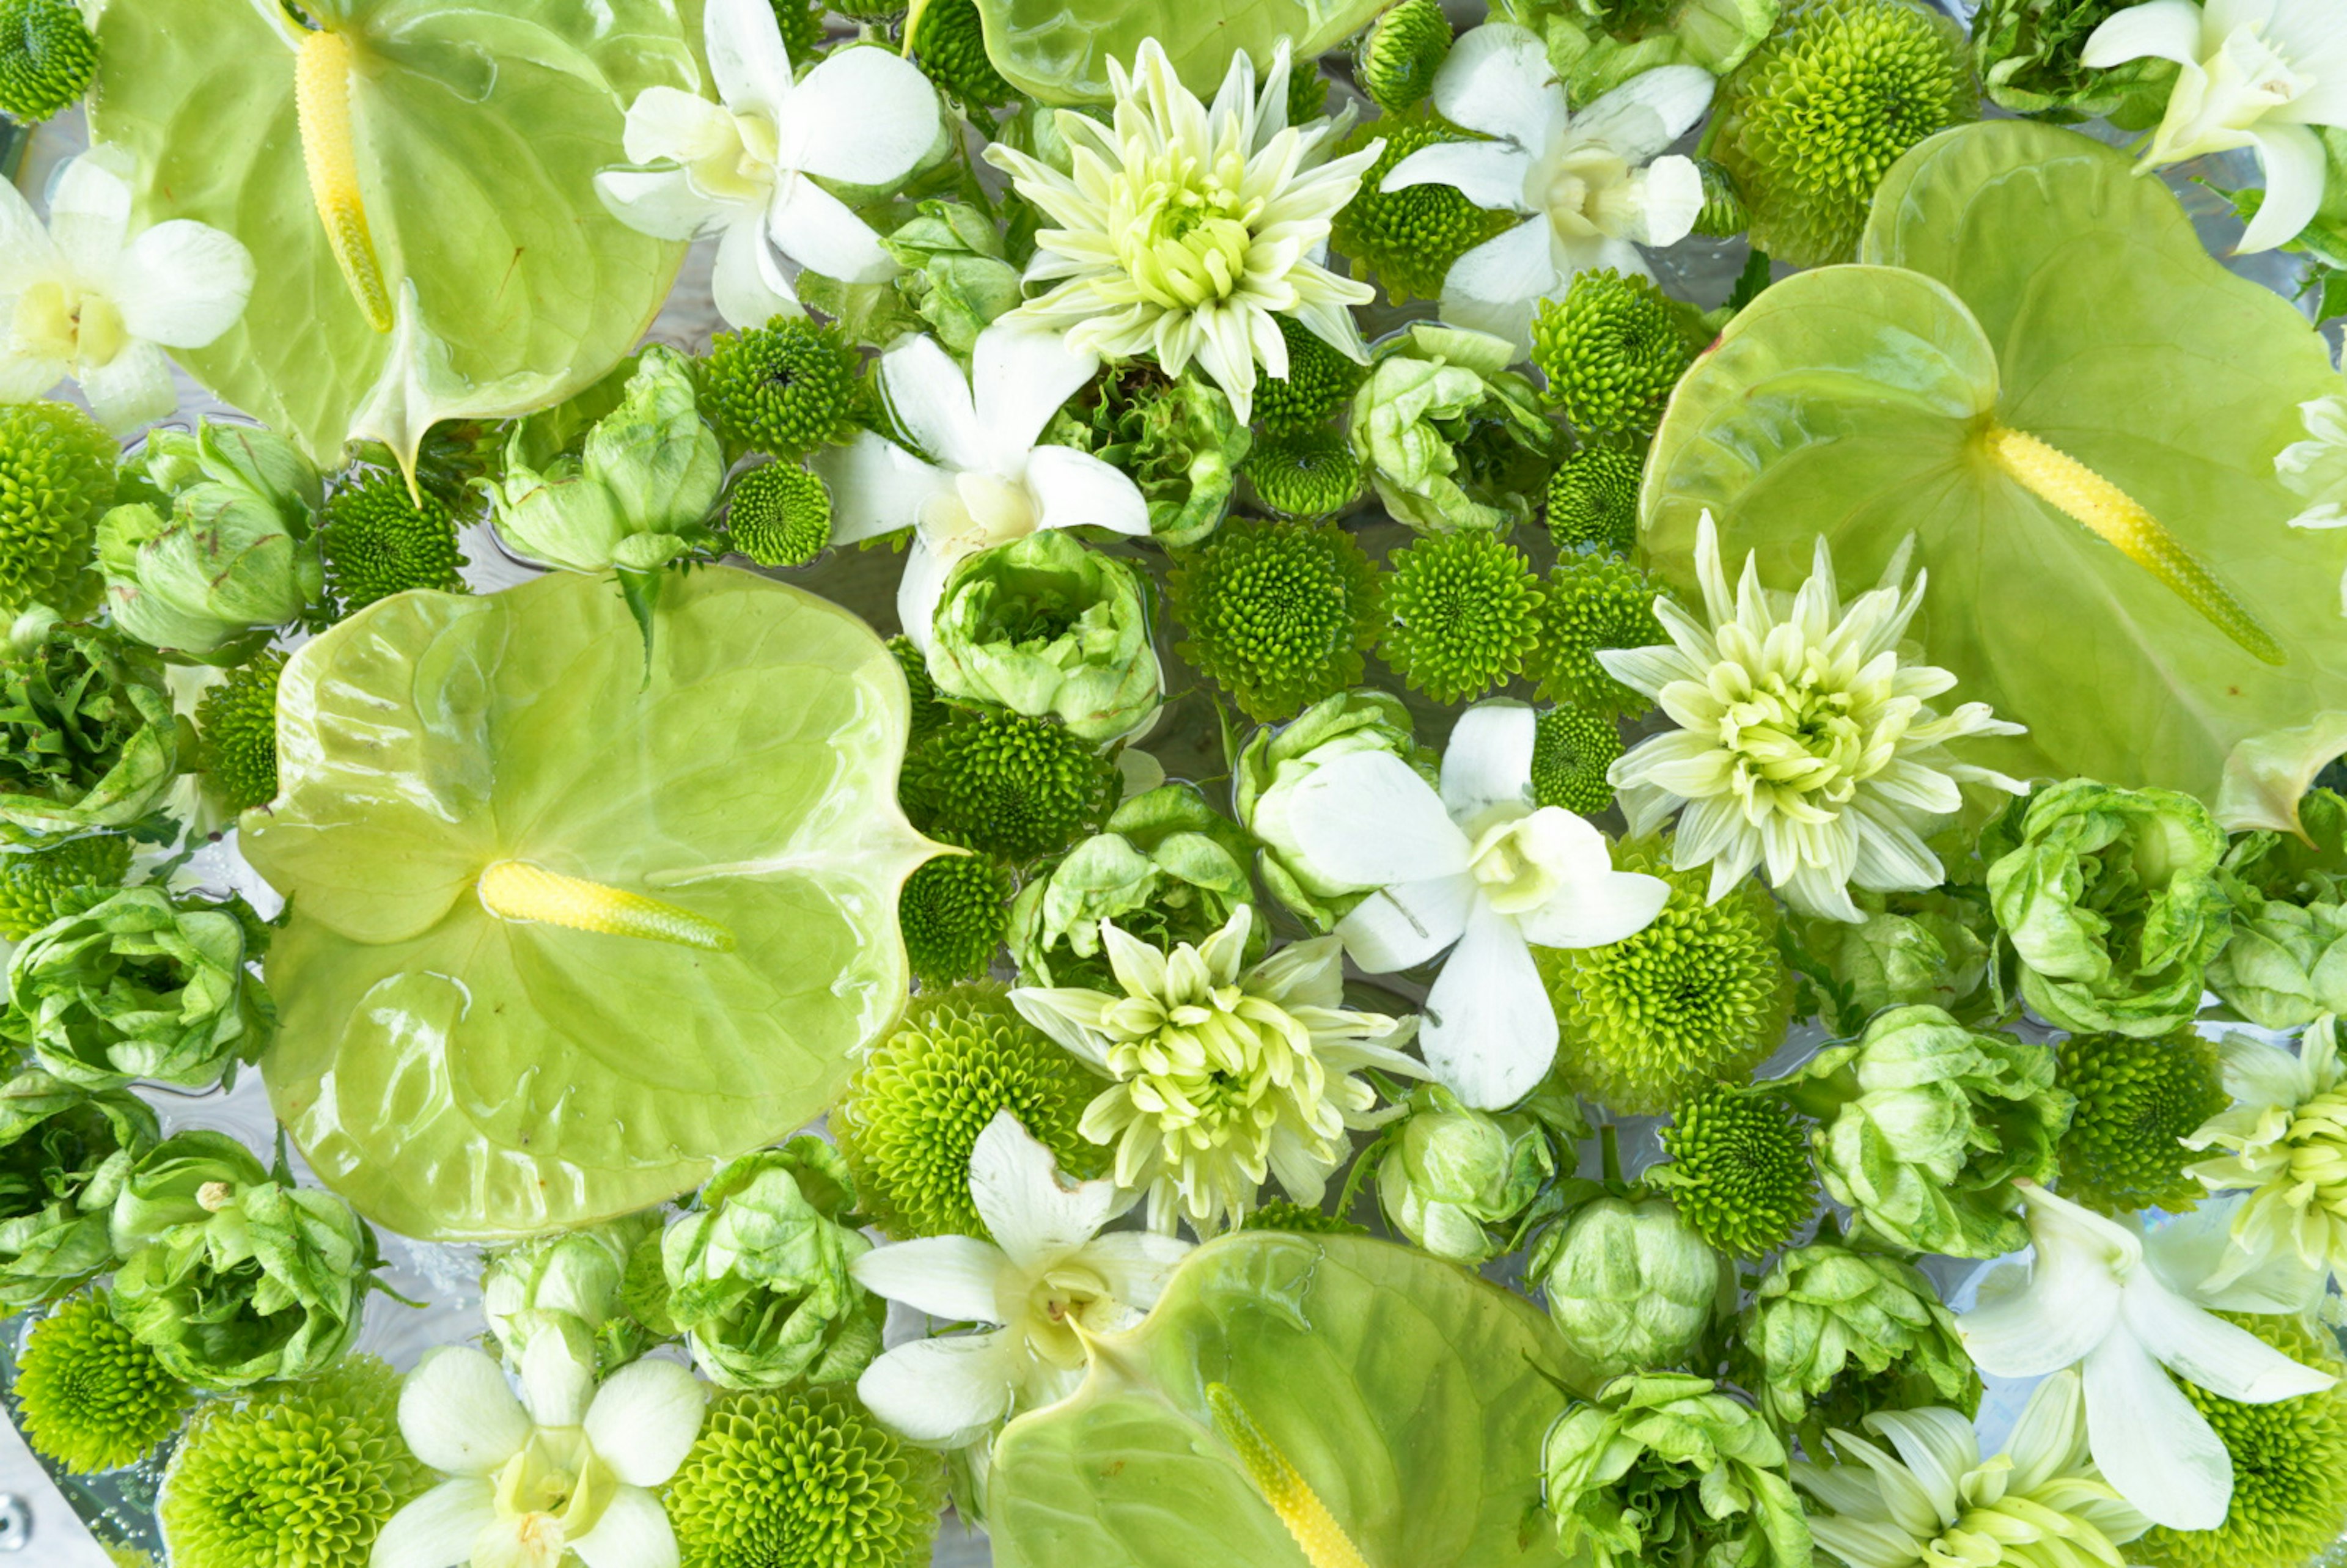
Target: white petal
<point x="183" y="284"/>
<point x="1592" y="914"/>
<point x="557" y="1384"/>
<point x="823" y="234"/>
<point x="918" y="592"/>
<point x="1492" y="287"/>
<point x="1019" y="376"/>
<point x="23" y="378"/>
<point x="1368" y="820"/>
<point x="954" y="1277"/>
<point x="439" y="1528"/>
<point x="669" y="123"/>
<point x="1488" y="173"/>
<point x="2152" y="1446"/>
<point x="1489" y="1032"/>
<point x="2219" y="1356"/>
<point x="457" y="1413"/>
<point x="931" y="399"/>
<point x="2069" y="1304"/>
<point x="1075" y="489"/>
<point x="1938" y="1448"/>
<point x="1037" y="1214"/>
<point x="877" y="486"/>
<point x="133" y="388"/>
<point x="1670" y="199"/>
<point x="660" y="202"/>
<point x="1646" y="113"/>
<point x="644" y="1419"/>
<point x="2294" y="165"/>
<point x="89" y="217"/>
<point x="1489" y="761"/>
<point x="1404" y="925"/>
<point x="634" y="1533"/>
<point x="1135" y="1265"/>
<point x="1498" y="79"/>
<point x="27" y="254"/>
<point x="2169" y="29"/>
<point x="747" y="57"/>
<point x="945" y="1392"/>
<point x="749" y="283"/>
<point x="863" y="116"/>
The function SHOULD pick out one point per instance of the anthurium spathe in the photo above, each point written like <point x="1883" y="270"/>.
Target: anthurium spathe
<point x="1473" y="865"/>
<point x="991" y="483"/>
<point x="746" y="169"/>
<point x="2089" y="1298"/>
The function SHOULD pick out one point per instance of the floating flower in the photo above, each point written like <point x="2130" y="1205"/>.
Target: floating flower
<point x="2255" y="73"/>
<point x="1591" y="185"/>
<point x="1477" y="865"/>
<point x="1186" y="232"/>
<point x="1223" y="1075"/>
<point x="2285" y="1145"/>
<point x="1049" y="1278"/>
<point x="1804" y="746"/>
<point x="88" y="299"/>
<point x="991" y="483"/>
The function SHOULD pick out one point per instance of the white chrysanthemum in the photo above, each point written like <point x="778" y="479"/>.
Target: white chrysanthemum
<point x="2284" y="1142"/>
<point x="1804" y="746"/>
<point x="1183" y="230"/>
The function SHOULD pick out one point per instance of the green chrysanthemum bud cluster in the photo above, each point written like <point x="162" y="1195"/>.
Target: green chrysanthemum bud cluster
<point x="1308" y="92"/>
<point x="1300" y="1219"/>
<point x="1593" y="500"/>
<point x="1398" y="57"/>
<point x="2136" y="1097"/>
<point x="803" y="1477"/>
<point x="1572" y="749"/>
<point x="955" y="912"/>
<point x="236" y="730"/>
<point x="41" y="885"/>
<point x="784" y="388"/>
<point x="377" y="542"/>
<point x="1723" y="214"/>
<point x="1810" y="123"/>
<point x="779" y="515"/>
<point x="1408" y="237"/>
<point x="928" y="713"/>
<point x="1738" y="1170"/>
<point x="56" y="480"/>
<point x="1305" y="476"/>
<point x="1594" y="602"/>
<point x="1318" y="384"/>
<point x="949" y="42"/>
<point x="1612" y="348"/>
<point x="1462" y="613"/>
<point x="802" y="27"/>
<point x="47" y="57"/>
<point x="1696" y="998"/>
<point x="914" y="1110"/>
<point x="1007" y="785"/>
<point x="1278" y="613"/>
<point x="94" y="1398"/>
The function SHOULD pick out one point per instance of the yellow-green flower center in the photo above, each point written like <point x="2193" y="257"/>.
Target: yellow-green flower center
<point x="1587" y="194"/>
<point x="56" y="321"/>
<point x="1183" y="226"/>
<point x="1056" y="1307"/>
<point x="1794" y="742"/>
<point x="552" y="1493"/>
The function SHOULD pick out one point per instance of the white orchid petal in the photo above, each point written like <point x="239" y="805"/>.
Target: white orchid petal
<point x="2295" y="172"/>
<point x="1020" y="375"/>
<point x="957" y="1278"/>
<point x="877" y="486"/>
<point x="1488" y="173"/>
<point x="2151" y="1445"/>
<point x="1593" y="913"/>
<point x="1489" y="1033"/>
<point x="183" y="284"/>
<point x="1135" y="1266"/>
<point x="2069" y="1303"/>
<point x="749" y="283"/>
<point x="945" y="1392"/>
<point x="919" y="591"/>
<point x="1404" y="925"/>
<point x="1644" y="114"/>
<point x="2219" y="1356"/>
<point x="1037" y="1214"/>
<point x="1493" y="287"/>
<point x="863" y="116"/>
<point x="1498" y="79"/>
<point x="823" y="234"/>
<point x="747" y="57"/>
<point x="557" y="1384"/>
<point x="667" y="124"/>
<point x="1669" y="197"/>
<point x="931" y="399"/>
<point x="89" y="217"/>
<point x="439" y="1528"/>
<point x="660" y="202"/>
<point x="457" y="1413"/>
<point x="1075" y="489"/>
<point x="1368" y="820"/>
<point x="2164" y="30"/>
<point x="633" y="1532"/>
<point x="644" y="1419"/>
<point x="28" y="254"/>
<point x="134" y="388"/>
<point x="24" y="378"/>
<point x="1489" y="761"/>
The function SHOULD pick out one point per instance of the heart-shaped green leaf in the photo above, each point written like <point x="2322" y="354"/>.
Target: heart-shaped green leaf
<point x="1403" y="1399"/>
<point x="2025" y="280"/>
<point x="1057" y="51"/>
<point x="567" y="935"/>
<point x="475" y="129"/>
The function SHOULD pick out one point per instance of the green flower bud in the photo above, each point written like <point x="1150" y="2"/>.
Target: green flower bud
<point x="2284" y="966"/>
<point x="64" y="1153"/>
<point x="89" y="738"/>
<point x="571" y="1280"/>
<point x="1275" y="761"/>
<point x="1833" y="1333"/>
<point x="1431" y="388"/>
<point x="1922" y="951"/>
<point x="1401" y="53"/>
<point x="1454" y="1178"/>
<point x="1632" y="1285"/>
<point x="1048" y="627"/>
<point x="1180" y="442"/>
<point x="956" y="275"/>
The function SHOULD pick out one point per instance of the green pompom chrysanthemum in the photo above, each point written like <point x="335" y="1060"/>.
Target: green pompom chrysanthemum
<point x="914" y="1110"/>
<point x="803" y="1478"/>
<point x="1699" y="996"/>
<point x="2137" y="1099"/>
<point x="779" y="515"/>
<point x="236" y="730"/>
<point x="39" y="885"/>
<point x="948" y="41"/>
<point x="1592" y="602"/>
<point x="92" y="1396"/>
<point x="47" y="57"/>
<point x="1318" y="384"/>
<point x="1814" y="118"/>
<point x="802" y="28"/>
<point x="1462" y="612"/>
<point x="1723" y="214"/>
<point x="1572" y="749"/>
<point x="1305" y="476"/>
<point x="2290" y="1466"/>
<point x="954" y="912"/>
<point x="301" y="1475"/>
<point x="1593" y="500"/>
<point x="1308" y="92"/>
<point x="1279" y="614"/>
<point x="1005" y="784"/>
<point x="56" y="478"/>
<point x="1738" y="1170"/>
<point x="377" y="542"/>
<point x="784" y="388"/>
<point x="1300" y="1219"/>
<point x="928" y="713"/>
<point x="1612" y="348"/>
<point x="1399" y="54"/>
<point x="1408" y="238"/>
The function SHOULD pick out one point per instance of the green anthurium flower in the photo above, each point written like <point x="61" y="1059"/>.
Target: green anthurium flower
<point x="64" y="1153"/>
<point x="1432" y="389"/>
<point x="1048" y="627"/>
<point x="1275" y="763"/>
<point x="622" y="921"/>
<point x="1630" y="1285"/>
<point x="571" y="1281"/>
<point x="1453" y="1178"/>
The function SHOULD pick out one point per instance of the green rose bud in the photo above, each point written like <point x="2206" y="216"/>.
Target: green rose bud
<point x="1432" y="391"/>
<point x="2031" y="57"/>
<point x="1632" y="1285"/>
<point x="89" y="738"/>
<point x="956" y="275"/>
<point x="1179" y="441"/>
<point x="575" y="1277"/>
<point x="1275" y="761"/>
<point x="2285" y="965"/>
<point x="1454" y="1179"/>
<point x="64" y="1153"/>
<point x="1921" y="951"/>
<point x="758" y="1277"/>
<point x="231" y="1274"/>
<point x="142" y="985"/>
<point x="1050" y="628"/>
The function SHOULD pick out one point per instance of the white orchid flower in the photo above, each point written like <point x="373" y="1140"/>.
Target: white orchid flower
<point x="1592" y="185"/>
<point x="746" y="169"/>
<point x="2255" y="73"/>
<point x="91" y="298"/>
<point x="989" y="483"/>
<point x="1049" y="1278"/>
<point x="1477" y="865"/>
<point x="2089" y="1298"/>
<point x="568" y="1468"/>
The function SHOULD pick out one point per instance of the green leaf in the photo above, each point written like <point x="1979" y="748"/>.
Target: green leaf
<point x="1411" y="1396"/>
<point x="2052" y="292"/>
<point x="457" y="1072"/>
<point x="478" y="128"/>
<point x="1057" y="51"/>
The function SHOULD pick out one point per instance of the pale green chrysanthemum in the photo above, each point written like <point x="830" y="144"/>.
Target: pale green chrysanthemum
<point x="1738" y="1170"/>
<point x="954" y="912"/>
<point x="1462" y="613"/>
<point x="803" y="1479"/>
<point x="2284" y="1142"/>
<point x="92" y="1397"/>
<point x="1572" y="749"/>
<point x="2138" y="1100"/>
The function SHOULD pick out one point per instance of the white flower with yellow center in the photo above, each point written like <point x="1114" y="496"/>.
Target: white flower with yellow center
<point x="1184" y="230"/>
<point x="2285" y="1151"/>
<point x="1804" y="744"/>
<point x="91" y="298"/>
<point x="2254" y="73"/>
<point x="1048" y="1277"/>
